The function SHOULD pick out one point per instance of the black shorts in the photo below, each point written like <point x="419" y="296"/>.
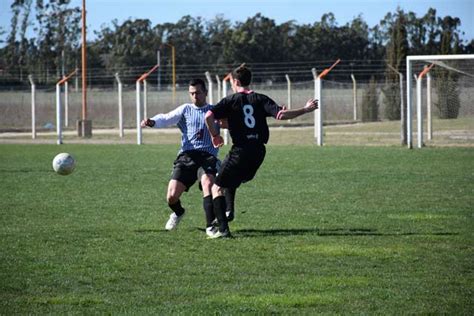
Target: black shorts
<point x="191" y="165"/>
<point x="240" y="165"/>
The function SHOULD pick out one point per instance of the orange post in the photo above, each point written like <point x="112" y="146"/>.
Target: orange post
<point x="139" y="102"/>
<point x="66" y="78"/>
<point x="425" y="71"/>
<point x="84" y="126"/>
<point x="327" y="70"/>
<point x="146" y="74"/>
<point x="84" y="63"/>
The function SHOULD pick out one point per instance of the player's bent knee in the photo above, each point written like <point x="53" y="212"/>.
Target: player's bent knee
<point x="175" y="189"/>
<point x="217" y="191"/>
<point x="172" y="199"/>
<point x="207" y="182"/>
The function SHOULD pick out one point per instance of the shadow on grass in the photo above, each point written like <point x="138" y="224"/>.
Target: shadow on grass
<point x="327" y="232"/>
<point x="310" y="231"/>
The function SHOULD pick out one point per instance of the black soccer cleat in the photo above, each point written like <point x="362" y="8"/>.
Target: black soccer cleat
<point x="230" y="216"/>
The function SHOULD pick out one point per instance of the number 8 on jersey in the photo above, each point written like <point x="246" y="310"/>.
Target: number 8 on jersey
<point x="249" y="120"/>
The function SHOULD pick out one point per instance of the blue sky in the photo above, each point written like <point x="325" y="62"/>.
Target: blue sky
<point x="102" y="12"/>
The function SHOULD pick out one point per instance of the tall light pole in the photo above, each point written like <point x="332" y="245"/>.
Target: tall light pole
<point x="84" y="126"/>
<point x="173" y="61"/>
<point x="84" y="63"/>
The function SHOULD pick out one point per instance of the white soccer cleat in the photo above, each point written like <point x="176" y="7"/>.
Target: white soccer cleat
<point x="211" y="231"/>
<point x="173" y="222"/>
<point x="219" y="234"/>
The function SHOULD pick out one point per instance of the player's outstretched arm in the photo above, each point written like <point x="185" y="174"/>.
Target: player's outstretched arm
<point x="311" y="105"/>
<point x="164" y="119"/>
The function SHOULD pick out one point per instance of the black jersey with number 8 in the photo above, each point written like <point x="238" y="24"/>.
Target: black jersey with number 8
<point x="246" y="114"/>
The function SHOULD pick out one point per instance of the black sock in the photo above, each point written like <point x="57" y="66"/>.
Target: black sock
<point x="230" y="198"/>
<point x="177" y="208"/>
<point x="208" y="210"/>
<point x="219" y="210"/>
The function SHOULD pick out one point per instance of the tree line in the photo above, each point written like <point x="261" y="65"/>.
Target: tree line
<point x="131" y="47"/>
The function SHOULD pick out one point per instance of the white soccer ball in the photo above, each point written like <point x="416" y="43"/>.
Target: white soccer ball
<point x="64" y="164"/>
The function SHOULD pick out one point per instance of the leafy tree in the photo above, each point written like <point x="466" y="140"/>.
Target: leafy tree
<point x="255" y="40"/>
<point x="11" y="51"/>
<point x="124" y="46"/>
<point x="326" y="41"/>
<point x="305" y="41"/>
<point x="397" y="49"/>
<point x="59" y="31"/>
<point x="447" y="81"/>
<point x="432" y="31"/>
<point x="379" y="36"/>
<point x="326" y="33"/>
<point x="359" y="33"/>
<point x="23" y="43"/>
<point x="188" y="38"/>
<point x="218" y="32"/>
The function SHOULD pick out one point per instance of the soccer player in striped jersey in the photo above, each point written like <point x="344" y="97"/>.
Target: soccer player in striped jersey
<point x="197" y="157"/>
<point x="246" y="113"/>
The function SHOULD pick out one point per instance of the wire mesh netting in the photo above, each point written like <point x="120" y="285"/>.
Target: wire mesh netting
<point x="444" y="95"/>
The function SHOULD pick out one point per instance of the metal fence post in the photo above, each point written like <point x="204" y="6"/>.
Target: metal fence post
<point x="33" y="107"/>
<point x="66" y="104"/>
<point x="429" y="121"/>
<point x="59" y="130"/>
<point x="288" y="81"/>
<point x="120" y="104"/>
<point x="354" y="96"/>
<point x="210" y="87"/>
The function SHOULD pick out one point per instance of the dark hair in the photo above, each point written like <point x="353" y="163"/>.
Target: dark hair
<point x="198" y="82"/>
<point x="243" y="74"/>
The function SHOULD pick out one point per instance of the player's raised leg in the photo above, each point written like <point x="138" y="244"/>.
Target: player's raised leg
<point x="175" y="189"/>
<point x="230" y="202"/>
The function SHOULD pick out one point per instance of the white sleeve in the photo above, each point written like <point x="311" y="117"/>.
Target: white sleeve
<point x="170" y="118"/>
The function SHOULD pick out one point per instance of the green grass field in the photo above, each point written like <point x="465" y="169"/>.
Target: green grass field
<point x="332" y="230"/>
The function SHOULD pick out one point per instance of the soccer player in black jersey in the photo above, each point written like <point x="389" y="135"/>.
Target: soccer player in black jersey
<point x="246" y="113"/>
